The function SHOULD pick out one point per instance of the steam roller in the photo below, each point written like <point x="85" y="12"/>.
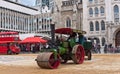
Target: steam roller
<point x="62" y="51"/>
<point x="53" y="58"/>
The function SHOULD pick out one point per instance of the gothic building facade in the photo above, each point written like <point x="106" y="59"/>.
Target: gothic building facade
<point x="68" y="13"/>
<point x="72" y="14"/>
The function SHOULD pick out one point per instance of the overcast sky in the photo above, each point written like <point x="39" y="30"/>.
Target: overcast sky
<point x="28" y="2"/>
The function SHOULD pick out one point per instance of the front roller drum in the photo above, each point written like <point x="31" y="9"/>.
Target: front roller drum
<point x="78" y="54"/>
<point x="48" y="60"/>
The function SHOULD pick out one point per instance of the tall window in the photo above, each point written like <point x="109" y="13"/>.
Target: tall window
<point x="97" y="25"/>
<point x="116" y="9"/>
<point x="68" y="22"/>
<point x="91" y="12"/>
<point x="96" y="11"/>
<point x="91" y="26"/>
<point x="116" y="13"/>
<point x="102" y="25"/>
<point x="102" y="11"/>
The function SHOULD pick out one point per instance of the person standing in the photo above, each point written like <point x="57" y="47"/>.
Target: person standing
<point x="81" y="39"/>
<point x="105" y="48"/>
<point x="57" y="41"/>
<point x="99" y="48"/>
<point x="72" y="39"/>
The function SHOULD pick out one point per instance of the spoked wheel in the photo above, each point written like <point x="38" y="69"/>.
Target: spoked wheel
<point x="48" y="60"/>
<point x="78" y="54"/>
<point x="54" y="61"/>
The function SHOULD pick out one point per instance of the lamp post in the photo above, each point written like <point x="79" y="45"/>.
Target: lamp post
<point x="52" y="26"/>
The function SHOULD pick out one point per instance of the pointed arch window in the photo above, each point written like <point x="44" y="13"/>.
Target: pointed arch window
<point x="91" y="26"/>
<point x="91" y="12"/>
<point x="102" y="25"/>
<point x="102" y="10"/>
<point x="97" y="25"/>
<point x="116" y="9"/>
<point x="68" y="22"/>
<point x="96" y="11"/>
<point x="116" y="13"/>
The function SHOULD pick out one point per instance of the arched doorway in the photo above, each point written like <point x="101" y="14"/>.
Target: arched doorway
<point x="117" y="40"/>
<point x="103" y="41"/>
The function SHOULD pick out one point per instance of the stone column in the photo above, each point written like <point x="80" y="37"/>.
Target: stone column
<point x="15" y="20"/>
<point x="10" y="19"/>
<point x="74" y="21"/>
<point x="5" y="19"/>
<point x="109" y="31"/>
<point x="3" y="24"/>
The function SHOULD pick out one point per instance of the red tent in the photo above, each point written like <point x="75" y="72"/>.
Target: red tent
<point x="33" y="40"/>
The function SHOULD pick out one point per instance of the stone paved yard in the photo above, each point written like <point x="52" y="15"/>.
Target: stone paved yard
<point x="25" y="64"/>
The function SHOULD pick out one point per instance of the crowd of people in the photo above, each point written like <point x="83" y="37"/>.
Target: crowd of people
<point x="106" y="48"/>
<point x="96" y="48"/>
<point x="111" y="49"/>
<point x="30" y="47"/>
<point x="72" y="39"/>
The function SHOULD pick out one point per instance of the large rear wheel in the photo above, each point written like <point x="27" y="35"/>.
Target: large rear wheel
<point x="78" y="54"/>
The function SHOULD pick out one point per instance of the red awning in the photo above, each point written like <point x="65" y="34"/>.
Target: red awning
<point x="63" y="31"/>
<point x="33" y="40"/>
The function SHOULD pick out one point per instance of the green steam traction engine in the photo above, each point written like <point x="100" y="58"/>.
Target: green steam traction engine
<point x="67" y="50"/>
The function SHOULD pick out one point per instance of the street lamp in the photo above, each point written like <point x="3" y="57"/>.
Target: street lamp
<point x="52" y="27"/>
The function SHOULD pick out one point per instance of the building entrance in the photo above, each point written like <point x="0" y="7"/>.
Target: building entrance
<point x="117" y="39"/>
